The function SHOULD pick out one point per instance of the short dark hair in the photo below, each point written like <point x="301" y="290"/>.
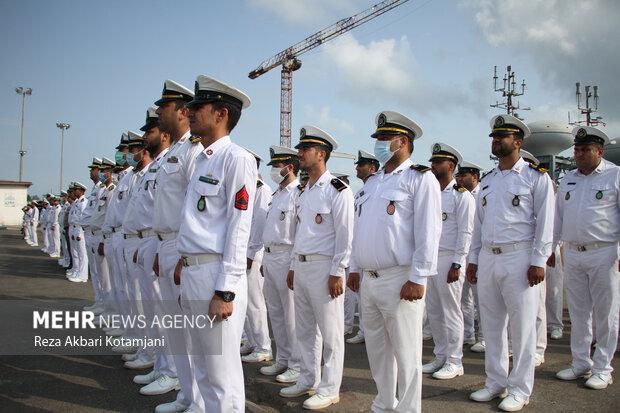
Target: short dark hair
<point x="179" y="104"/>
<point x="328" y="152"/>
<point x="295" y="162"/>
<point x="234" y="113"/>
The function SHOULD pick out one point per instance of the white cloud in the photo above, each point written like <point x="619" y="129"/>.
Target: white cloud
<point x="566" y="40"/>
<point x="324" y="119"/>
<point x="386" y="72"/>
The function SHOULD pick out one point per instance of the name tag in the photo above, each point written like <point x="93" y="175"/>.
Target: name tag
<point x="152" y="170"/>
<point x="209" y="180"/>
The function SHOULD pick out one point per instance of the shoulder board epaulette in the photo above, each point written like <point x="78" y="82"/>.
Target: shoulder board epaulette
<point x="420" y="168"/>
<point x="485" y="174"/>
<point x="539" y="168"/>
<point x="194" y="139"/>
<point x="459" y="188"/>
<point x="301" y="187"/>
<point x="111" y="187"/>
<point x="338" y="184"/>
<point x="259" y="184"/>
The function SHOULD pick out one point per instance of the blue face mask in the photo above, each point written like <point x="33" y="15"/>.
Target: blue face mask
<point x="101" y="177"/>
<point x="132" y="162"/>
<point x="383" y="152"/>
<point x="120" y="157"/>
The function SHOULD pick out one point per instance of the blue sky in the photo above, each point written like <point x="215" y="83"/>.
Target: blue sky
<point x="99" y="65"/>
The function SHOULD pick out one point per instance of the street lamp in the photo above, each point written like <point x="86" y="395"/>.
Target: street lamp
<point x="63" y="127"/>
<point x="22" y="91"/>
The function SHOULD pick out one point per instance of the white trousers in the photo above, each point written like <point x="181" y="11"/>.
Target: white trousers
<point x="352" y="302"/>
<point x="103" y="271"/>
<point x="32" y="229"/>
<point x="393" y="333"/>
<point x="64" y="259"/>
<point x="256" y="327"/>
<point x="170" y="292"/>
<point x="132" y="285"/>
<point x="281" y="307"/>
<point x="111" y="299"/>
<point x="471" y="311"/>
<point x="55" y="237"/>
<point x="443" y="308"/>
<point x="46" y="238"/>
<point x="78" y="252"/>
<point x="219" y="377"/>
<point x="541" y="320"/>
<point x="92" y="264"/>
<point x="315" y="308"/>
<point x="504" y="294"/>
<point x="555" y="292"/>
<point x="592" y="283"/>
<point x="150" y="297"/>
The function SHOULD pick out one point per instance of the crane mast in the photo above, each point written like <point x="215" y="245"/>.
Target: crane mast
<point x="287" y="58"/>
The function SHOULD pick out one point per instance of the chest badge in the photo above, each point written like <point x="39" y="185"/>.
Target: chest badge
<point x="484" y="200"/>
<point x="201" y="205"/>
<point x="318" y="219"/>
<point x="567" y="196"/>
<point x="444" y="216"/>
<point x="516" y="201"/>
<point x="599" y="195"/>
<point x="120" y="195"/>
<point x="282" y="215"/>
<point x="391" y="208"/>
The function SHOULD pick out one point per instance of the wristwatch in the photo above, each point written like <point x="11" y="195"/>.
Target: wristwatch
<point x="226" y="296"/>
<point x="456" y="266"/>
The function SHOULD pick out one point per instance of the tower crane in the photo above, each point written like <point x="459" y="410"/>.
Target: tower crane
<point x="288" y="58"/>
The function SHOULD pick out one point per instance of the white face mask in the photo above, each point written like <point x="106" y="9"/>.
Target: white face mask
<point x="275" y="175"/>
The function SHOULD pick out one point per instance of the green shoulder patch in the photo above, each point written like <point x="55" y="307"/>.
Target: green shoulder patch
<point x="420" y="168"/>
<point x="301" y="187"/>
<point x="539" y="168"/>
<point x="111" y="187"/>
<point x="194" y="139"/>
<point x="459" y="188"/>
<point x="338" y="184"/>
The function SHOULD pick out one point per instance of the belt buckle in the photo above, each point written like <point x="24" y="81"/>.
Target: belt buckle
<point x="496" y="250"/>
<point x="372" y="273"/>
<point x="185" y="263"/>
<point x="302" y="258"/>
<point x="581" y="248"/>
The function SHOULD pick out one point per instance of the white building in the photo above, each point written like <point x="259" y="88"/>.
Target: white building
<point x="13" y="196"/>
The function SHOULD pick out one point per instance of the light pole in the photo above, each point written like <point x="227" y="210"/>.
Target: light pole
<point x="22" y="91"/>
<point x="63" y="127"/>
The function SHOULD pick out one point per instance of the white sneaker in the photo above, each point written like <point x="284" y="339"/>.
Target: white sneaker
<point x="129" y="357"/>
<point x="433" y="366"/>
<point x="256" y="357"/>
<point x="556" y="333"/>
<point x="289" y="376"/>
<point x="571" y="374"/>
<point x="138" y="364"/>
<point x="599" y="381"/>
<point x="449" y="371"/>
<point x="318" y="401"/>
<point x="77" y="280"/>
<point x="479" y="347"/>
<point x="512" y="403"/>
<point x="147" y="378"/>
<point x="486" y="395"/>
<point x="273" y="370"/>
<point x="469" y="341"/>
<point x="162" y="385"/>
<point x="426" y="336"/>
<point x="295" y="391"/>
<point x="172" y="407"/>
<point x="357" y="339"/>
<point x="349" y="331"/>
<point x="539" y="359"/>
<point x="245" y="348"/>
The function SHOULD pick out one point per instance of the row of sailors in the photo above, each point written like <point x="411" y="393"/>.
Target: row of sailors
<point x="190" y="220"/>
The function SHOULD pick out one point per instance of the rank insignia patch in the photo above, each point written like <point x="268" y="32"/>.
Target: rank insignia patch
<point x="242" y="199"/>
